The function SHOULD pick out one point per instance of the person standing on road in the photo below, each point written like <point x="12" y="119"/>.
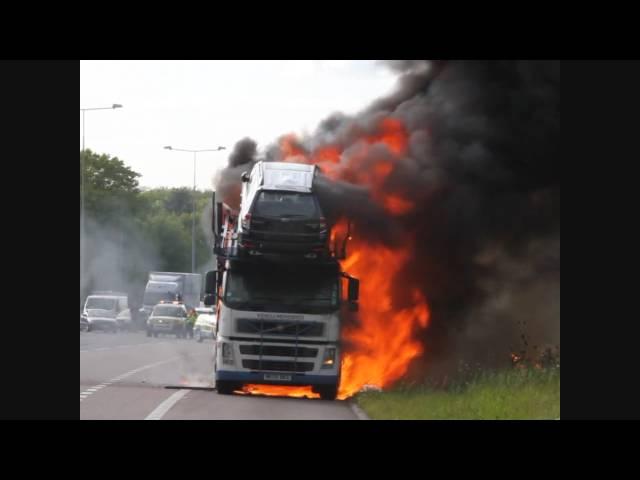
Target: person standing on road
<point x="191" y="320"/>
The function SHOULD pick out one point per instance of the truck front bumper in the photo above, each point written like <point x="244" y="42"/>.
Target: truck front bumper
<point x="297" y="379"/>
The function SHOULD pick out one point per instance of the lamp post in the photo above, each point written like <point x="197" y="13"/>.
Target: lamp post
<point x="193" y="221"/>
<point x="82" y="175"/>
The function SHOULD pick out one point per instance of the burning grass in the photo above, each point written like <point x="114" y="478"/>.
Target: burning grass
<point x="512" y="394"/>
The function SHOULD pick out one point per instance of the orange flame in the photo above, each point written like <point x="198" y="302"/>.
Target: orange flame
<point x="393" y="135"/>
<point x="291" y="150"/>
<point x="382" y="346"/>
<point x="397" y="205"/>
<point x="279" y="390"/>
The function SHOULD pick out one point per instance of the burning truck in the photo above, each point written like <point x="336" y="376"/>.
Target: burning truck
<point x="451" y="186"/>
<point x="280" y="290"/>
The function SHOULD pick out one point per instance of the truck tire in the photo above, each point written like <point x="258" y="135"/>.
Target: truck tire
<point x="148" y="332"/>
<point x="328" y="392"/>
<point x="224" y="387"/>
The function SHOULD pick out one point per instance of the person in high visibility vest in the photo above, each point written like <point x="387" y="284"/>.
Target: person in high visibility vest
<point x="190" y="322"/>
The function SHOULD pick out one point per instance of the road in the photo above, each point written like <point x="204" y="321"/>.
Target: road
<point x="125" y="376"/>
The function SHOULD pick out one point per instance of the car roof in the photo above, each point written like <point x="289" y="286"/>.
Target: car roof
<point x="287" y="176"/>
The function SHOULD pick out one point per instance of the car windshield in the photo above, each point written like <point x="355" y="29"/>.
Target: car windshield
<point x="101" y="303"/>
<point x="283" y="204"/>
<point x="286" y="291"/>
<point x="168" y="311"/>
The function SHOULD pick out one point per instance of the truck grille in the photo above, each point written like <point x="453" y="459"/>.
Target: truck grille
<point x="275" y="327"/>
<point x="278" y="351"/>
<point x="278" y="366"/>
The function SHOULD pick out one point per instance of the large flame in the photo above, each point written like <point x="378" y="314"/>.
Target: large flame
<point x="380" y="347"/>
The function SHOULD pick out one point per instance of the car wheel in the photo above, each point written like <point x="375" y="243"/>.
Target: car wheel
<point x="88" y="328"/>
<point x="148" y="332"/>
<point x="198" y="335"/>
<point x="328" y="392"/>
<point x="155" y="334"/>
<point x="226" y="388"/>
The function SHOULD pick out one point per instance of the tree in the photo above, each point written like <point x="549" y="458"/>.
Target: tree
<point x="180" y="200"/>
<point x="110" y="186"/>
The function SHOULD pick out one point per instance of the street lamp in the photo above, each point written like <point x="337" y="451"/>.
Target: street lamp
<point x="193" y="220"/>
<point x="83" y="110"/>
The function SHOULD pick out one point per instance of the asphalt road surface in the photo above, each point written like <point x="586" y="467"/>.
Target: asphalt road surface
<point x="124" y="376"/>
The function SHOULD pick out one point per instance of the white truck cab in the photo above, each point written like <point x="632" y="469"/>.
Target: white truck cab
<point x="279" y="324"/>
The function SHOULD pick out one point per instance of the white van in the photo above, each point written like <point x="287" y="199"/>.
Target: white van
<point x="102" y="309"/>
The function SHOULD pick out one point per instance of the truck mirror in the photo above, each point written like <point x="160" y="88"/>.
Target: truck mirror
<point x="245" y="176"/>
<point x="354" y="289"/>
<point x="210" y="300"/>
<point x="211" y="283"/>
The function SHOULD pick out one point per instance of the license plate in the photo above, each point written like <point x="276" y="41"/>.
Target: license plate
<point x="275" y="376"/>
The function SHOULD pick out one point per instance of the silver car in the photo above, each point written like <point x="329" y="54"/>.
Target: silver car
<point x="99" y="319"/>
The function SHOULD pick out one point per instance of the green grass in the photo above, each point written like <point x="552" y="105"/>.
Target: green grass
<point x="510" y="394"/>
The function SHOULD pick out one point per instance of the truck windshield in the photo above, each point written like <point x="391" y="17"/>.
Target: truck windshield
<point x="278" y="204"/>
<point x="153" y="298"/>
<point x="282" y="291"/>
<point x="101" y="303"/>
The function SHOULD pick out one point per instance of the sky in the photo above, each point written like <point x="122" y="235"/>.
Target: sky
<point x="210" y="103"/>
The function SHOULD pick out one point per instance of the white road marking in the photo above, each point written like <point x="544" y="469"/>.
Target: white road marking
<point x="358" y="411"/>
<point x="93" y="389"/>
<point x="165" y="406"/>
<point x="103" y="349"/>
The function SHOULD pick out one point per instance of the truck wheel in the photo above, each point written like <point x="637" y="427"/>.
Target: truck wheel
<point x="224" y="387"/>
<point x="148" y="332"/>
<point x="328" y="392"/>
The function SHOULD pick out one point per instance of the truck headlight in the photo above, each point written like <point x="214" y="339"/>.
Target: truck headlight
<point x="329" y="358"/>
<point x="227" y="354"/>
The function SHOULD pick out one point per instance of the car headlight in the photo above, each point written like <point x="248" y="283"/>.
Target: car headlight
<point x="329" y="358"/>
<point x="227" y="354"/>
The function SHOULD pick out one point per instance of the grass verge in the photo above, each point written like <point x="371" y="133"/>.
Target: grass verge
<point x="526" y="393"/>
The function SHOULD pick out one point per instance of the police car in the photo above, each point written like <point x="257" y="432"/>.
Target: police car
<point x="168" y="318"/>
